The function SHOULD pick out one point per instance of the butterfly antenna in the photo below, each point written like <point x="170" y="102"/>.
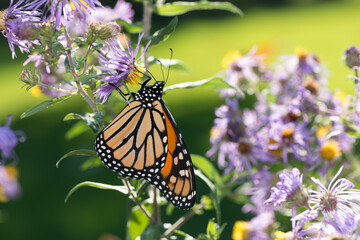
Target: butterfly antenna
<point x="122" y="94"/>
<point x="161" y="67"/>
<point x="168" y="73"/>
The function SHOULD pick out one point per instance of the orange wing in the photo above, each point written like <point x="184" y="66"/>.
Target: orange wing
<point x="133" y="144"/>
<point x="176" y="179"/>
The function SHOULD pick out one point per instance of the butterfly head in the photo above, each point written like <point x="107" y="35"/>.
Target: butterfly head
<point x="150" y="93"/>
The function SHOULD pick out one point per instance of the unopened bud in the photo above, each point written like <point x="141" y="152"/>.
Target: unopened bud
<point x="109" y="30"/>
<point x="352" y="57"/>
<point x="30" y="78"/>
<point x="93" y="32"/>
<point x="47" y="30"/>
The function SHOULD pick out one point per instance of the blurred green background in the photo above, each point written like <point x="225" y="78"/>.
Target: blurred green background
<point x="200" y="40"/>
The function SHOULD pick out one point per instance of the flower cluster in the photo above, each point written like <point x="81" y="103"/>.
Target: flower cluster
<point x="9" y="186"/>
<point x="286" y="116"/>
<point x="35" y="25"/>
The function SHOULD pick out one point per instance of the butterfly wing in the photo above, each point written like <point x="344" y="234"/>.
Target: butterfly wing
<point x="134" y="142"/>
<point x="176" y="179"/>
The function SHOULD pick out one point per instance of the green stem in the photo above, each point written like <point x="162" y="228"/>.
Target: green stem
<point x="182" y="220"/>
<point x="81" y="90"/>
<point x="135" y="199"/>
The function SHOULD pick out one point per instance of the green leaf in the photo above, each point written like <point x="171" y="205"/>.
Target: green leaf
<point x="130" y="27"/>
<point x="85" y="78"/>
<point x="91" y="119"/>
<point x="98" y="46"/>
<point x="212" y="83"/>
<point x="79" y="152"/>
<point x="44" y="105"/>
<point x="67" y="64"/>
<point x="122" y="189"/>
<point x="138" y="221"/>
<point x="213" y="230"/>
<point x="163" y="33"/>
<point x="208" y="169"/>
<point x="57" y="48"/>
<point x="175" y="64"/>
<point x="152" y="232"/>
<point x="76" y="130"/>
<point x="178" y="8"/>
<point x="91" y="163"/>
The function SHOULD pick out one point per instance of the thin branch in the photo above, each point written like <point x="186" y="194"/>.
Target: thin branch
<point x="135" y="199"/>
<point x="86" y="60"/>
<point x="156" y="212"/>
<point x="182" y="220"/>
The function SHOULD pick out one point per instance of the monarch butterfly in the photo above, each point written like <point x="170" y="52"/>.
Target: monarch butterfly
<point x="144" y="142"/>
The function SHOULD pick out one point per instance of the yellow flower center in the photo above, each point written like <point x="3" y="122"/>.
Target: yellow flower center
<point x="288" y="134"/>
<point x="311" y="85"/>
<point x="230" y="58"/>
<point x="342" y="97"/>
<point x="214" y="132"/>
<point x="73" y="3"/>
<point x="135" y="75"/>
<point x="277" y="152"/>
<point x="241" y="230"/>
<point x="323" y="131"/>
<point x="330" y="150"/>
<point x="12" y="172"/>
<point x="36" y="92"/>
<point x="2" y="20"/>
<point x="3" y="197"/>
<point x="301" y="52"/>
<point x="279" y="235"/>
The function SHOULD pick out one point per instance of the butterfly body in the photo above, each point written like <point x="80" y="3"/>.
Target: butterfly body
<point x="144" y="142"/>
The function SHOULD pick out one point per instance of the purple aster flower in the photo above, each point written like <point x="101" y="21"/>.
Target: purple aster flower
<point x="13" y="21"/>
<point x="37" y="58"/>
<point x="67" y="8"/>
<point x="9" y="186"/>
<point x="259" y="192"/>
<point x="9" y="139"/>
<point x="299" y="221"/>
<point x="235" y="140"/>
<point x="288" y="137"/>
<point x="338" y="201"/>
<point x="78" y="26"/>
<point x="244" y="73"/>
<point x="121" y="67"/>
<point x="54" y="87"/>
<point x="289" y="188"/>
<point x="122" y="10"/>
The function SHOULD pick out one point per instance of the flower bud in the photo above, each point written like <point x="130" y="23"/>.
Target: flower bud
<point x="108" y="30"/>
<point x="352" y="57"/>
<point x="93" y="32"/>
<point x="47" y="29"/>
<point x="30" y="78"/>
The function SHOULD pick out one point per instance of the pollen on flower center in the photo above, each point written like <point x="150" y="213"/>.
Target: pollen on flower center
<point x="277" y="151"/>
<point x="323" y="131"/>
<point x="241" y="230"/>
<point x="288" y="134"/>
<point x="81" y="6"/>
<point x="230" y="58"/>
<point x="135" y="74"/>
<point x="2" y="20"/>
<point x="330" y="150"/>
